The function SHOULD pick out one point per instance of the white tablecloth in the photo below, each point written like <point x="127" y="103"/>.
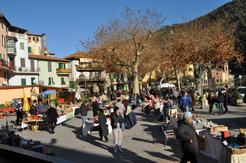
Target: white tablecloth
<point x="89" y="126"/>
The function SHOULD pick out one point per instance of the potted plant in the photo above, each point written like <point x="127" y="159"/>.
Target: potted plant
<point x="20" y="68"/>
<point x="234" y="97"/>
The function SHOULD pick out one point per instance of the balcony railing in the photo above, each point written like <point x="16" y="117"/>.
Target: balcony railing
<point x="5" y="64"/>
<point x="11" y="50"/>
<point x="88" y="67"/>
<point x="26" y="69"/>
<point x="99" y="77"/>
<point x="63" y="70"/>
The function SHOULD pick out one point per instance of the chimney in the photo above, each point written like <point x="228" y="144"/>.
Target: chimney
<point x="44" y="44"/>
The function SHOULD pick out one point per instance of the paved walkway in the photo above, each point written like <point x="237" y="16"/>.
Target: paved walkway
<point x="143" y="143"/>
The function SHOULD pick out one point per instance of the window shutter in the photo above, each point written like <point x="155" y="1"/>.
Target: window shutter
<point x="49" y="81"/>
<point x="29" y="50"/>
<point x="23" y="62"/>
<point x="64" y="66"/>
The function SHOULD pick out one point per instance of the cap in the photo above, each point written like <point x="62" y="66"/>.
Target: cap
<point x="187" y="115"/>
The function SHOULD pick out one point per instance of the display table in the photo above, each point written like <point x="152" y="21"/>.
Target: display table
<point x="25" y="124"/>
<point x="67" y="116"/>
<point x="88" y="127"/>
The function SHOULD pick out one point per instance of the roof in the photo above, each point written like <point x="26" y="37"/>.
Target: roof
<point x="32" y="34"/>
<point x="78" y="55"/>
<point x="16" y="29"/>
<point x="3" y="17"/>
<point x="12" y="37"/>
<point x="42" y="57"/>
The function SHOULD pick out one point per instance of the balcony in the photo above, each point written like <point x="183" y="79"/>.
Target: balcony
<point x="17" y="69"/>
<point x="88" y="68"/>
<point x="11" y="50"/>
<point x="93" y="77"/>
<point x="63" y="70"/>
<point x="5" y="66"/>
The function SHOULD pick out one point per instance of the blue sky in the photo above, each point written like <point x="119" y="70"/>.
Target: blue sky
<point x="65" y="22"/>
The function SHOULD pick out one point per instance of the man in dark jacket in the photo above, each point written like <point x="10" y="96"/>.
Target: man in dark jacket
<point x="221" y="100"/>
<point x="226" y="102"/>
<point x="53" y="116"/>
<point x="102" y="120"/>
<point x="210" y="102"/>
<point x="187" y="134"/>
<point x="84" y="109"/>
<point x="167" y="107"/>
<point x="95" y="106"/>
<point x="116" y="123"/>
<point x="19" y="113"/>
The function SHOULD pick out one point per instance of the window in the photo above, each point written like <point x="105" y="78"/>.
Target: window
<point x="3" y="41"/>
<point x="29" y="49"/>
<point x="32" y="65"/>
<point x="35" y="39"/>
<point x="22" y="46"/>
<point x="114" y="76"/>
<point x="23" y="81"/>
<point x="0" y="55"/>
<point x="2" y="25"/>
<point x="32" y="81"/>
<point x="29" y="39"/>
<point x="10" y="42"/>
<point x="49" y="66"/>
<point x="62" y="81"/>
<point x="61" y="65"/>
<point x="50" y="81"/>
<point x="22" y="60"/>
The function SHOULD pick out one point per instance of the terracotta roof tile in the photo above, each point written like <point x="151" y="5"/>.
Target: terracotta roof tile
<point x="78" y="55"/>
<point x="42" y="57"/>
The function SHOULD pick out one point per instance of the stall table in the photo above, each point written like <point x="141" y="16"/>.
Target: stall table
<point x="25" y="124"/>
<point x="90" y="125"/>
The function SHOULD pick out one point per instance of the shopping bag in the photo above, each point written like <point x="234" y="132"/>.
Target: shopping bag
<point x="218" y="106"/>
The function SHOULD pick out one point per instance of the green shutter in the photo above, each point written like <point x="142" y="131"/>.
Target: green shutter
<point x="64" y="66"/>
<point x="0" y="55"/>
<point x="32" y="81"/>
<point x="29" y="50"/>
<point x="114" y="76"/>
<point x="23" y="81"/>
<point x="62" y="81"/>
<point x="49" y="81"/>
<point x="60" y="65"/>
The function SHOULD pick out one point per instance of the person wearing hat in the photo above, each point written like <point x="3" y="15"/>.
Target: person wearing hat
<point x="116" y="123"/>
<point x="19" y="113"/>
<point x="102" y="120"/>
<point x="53" y="116"/>
<point x="188" y="136"/>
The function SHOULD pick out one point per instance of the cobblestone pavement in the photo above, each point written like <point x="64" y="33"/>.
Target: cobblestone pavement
<point x="143" y="143"/>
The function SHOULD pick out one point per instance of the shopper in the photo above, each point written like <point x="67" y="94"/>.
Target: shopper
<point x="104" y="99"/>
<point x="210" y="102"/>
<point x="33" y="109"/>
<point x="167" y="107"/>
<point x="102" y="120"/>
<point x="95" y="106"/>
<point x="41" y="107"/>
<point x="188" y="136"/>
<point x="19" y="113"/>
<point x="116" y="123"/>
<point x="175" y="97"/>
<point x="84" y="109"/>
<point x="226" y="102"/>
<point x="185" y="102"/>
<point x="122" y="110"/>
<point x="53" y="116"/>
<point x="221" y="100"/>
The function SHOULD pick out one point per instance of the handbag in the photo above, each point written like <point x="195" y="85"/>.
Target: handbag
<point x="217" y="106"/>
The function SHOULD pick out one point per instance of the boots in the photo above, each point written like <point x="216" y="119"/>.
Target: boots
<point x="106" y="138"/>
<point x="120" y="149"/>
<point x="116" y="149"/>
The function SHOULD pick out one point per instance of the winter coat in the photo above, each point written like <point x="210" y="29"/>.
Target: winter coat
<point x="185" y="101"/>
<point x="210" y="99"/>
<point x="220" y="99"/>
<point x="84" y="108"/>
<point x="116" y="119"/>
<point x="95" y="108"/>
<point x="102" y="120"/>
<point x="186" y="133"/>
<point x="52" y="114"/>
<point x="226" y="99"/>
<point x="167" y="107"/>
<point x="125" y="103"/>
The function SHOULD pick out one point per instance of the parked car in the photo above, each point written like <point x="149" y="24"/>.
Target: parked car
<point x="241" y="91"/>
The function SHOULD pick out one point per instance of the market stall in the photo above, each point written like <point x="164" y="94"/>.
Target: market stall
<point x="91" y="124"/>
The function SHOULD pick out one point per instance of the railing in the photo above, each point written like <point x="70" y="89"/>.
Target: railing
<point x="5" y="64"/>
<point x="26" y="69"/>
<point x="63" y="70"/>
<point x="93" y="77"/>
<point x="17" y="35"/>
<point x="11" y="50"/>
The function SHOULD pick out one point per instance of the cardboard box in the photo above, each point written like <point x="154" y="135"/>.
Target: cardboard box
<point x="34" y="127"/>
<point x="218" y="129"/>
<point x="172" y="111"/>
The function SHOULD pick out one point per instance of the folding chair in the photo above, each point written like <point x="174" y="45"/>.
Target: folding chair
<point x="168" y="135"/>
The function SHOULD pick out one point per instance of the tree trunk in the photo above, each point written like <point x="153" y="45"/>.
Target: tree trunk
<point x="135" y="74"/>
<point x="150" y="74"/>
<point x="199" y="85"/>
<point x="177" y="77"/>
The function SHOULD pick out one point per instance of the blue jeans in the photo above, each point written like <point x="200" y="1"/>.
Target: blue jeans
<point x="122" y="124"/>
<point x="84" y="119"/>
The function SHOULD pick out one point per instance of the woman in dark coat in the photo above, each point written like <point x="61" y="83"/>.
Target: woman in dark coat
<point x="102" y="120"/>
<point x="188" y="136"/>
<point x="95" y="107"/>
<point x="53" y="115"/>
<point x="211" y="100"/>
